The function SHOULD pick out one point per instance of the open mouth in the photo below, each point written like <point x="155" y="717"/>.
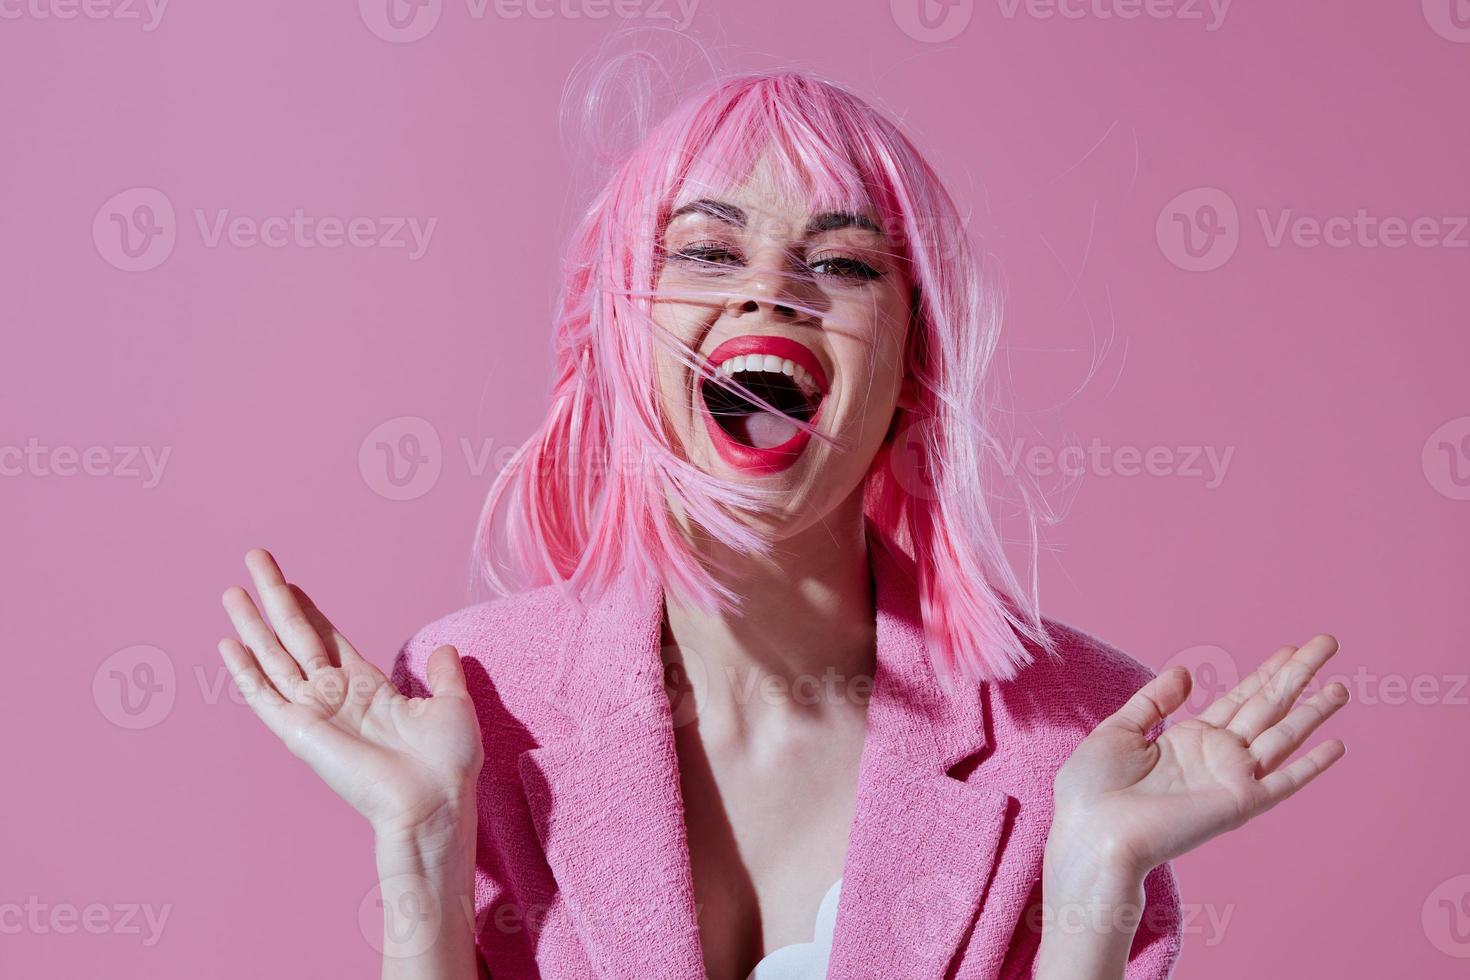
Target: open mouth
<point x="780" y="371"/>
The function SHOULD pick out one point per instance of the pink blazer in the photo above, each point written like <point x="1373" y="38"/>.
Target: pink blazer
<point x="583" y="869"/>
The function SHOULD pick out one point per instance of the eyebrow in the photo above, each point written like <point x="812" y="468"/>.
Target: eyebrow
<point x="819" y="223"/>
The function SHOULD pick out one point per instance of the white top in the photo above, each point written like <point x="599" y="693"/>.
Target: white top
<point x="804" y="961"/>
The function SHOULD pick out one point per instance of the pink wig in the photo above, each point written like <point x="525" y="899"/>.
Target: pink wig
<point x="588" y="497"/>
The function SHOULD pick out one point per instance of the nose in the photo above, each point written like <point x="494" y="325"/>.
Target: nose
<point x="779" y="284"/>
<point x="739" y="307"/>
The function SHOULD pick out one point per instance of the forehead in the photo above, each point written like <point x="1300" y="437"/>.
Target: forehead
<point x="775" y="195"/>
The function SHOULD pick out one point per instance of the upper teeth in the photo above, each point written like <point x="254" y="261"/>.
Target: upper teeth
<point x="770" y="363"/>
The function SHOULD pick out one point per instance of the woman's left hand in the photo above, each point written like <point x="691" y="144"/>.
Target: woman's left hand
<point x="1125" y="804"/>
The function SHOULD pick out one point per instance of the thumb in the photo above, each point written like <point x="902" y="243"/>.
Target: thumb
<point x="1153" y="702"/>
<point x="444" y="672"/>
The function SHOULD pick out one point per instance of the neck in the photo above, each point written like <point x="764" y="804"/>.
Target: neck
<point x="804" y="629"/>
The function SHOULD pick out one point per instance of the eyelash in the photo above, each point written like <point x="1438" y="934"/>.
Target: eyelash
<point x="705" y="254"/>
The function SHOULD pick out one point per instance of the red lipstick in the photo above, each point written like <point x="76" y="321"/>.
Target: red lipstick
<point x="757" y="459"/>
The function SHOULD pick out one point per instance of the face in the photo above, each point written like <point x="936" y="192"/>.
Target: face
<point x="809" y="311"/>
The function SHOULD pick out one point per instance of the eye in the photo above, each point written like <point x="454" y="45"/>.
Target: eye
<point x="844" y="267"/>
<point x="709" y="254"/>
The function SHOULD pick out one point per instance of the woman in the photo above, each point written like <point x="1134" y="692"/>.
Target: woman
<point x="762" y="696"/>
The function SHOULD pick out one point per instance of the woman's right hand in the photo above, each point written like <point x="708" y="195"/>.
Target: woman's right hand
<point x="409" y="765"/>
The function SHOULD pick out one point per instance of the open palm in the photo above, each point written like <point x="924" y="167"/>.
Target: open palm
<point x="403" y="763"/>
<point x="1141" y="802"/>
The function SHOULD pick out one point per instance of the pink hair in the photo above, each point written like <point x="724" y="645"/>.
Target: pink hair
<point x="587" y="497"/>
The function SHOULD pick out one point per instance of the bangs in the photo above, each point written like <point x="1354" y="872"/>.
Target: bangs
<point x="821" y="156"/>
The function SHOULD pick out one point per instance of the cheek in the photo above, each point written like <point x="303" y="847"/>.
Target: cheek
<point x="872" y="354"/>
<point x="669" y="377"/>
<point x="896" y="322"/>
<point x="676" y="324"/>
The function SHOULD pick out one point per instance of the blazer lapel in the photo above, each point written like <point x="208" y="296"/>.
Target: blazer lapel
<point x="923" y="844"/>
<point x="605" y="799"/>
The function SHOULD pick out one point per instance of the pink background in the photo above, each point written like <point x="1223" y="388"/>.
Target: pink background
<point x="1334" y="377"/>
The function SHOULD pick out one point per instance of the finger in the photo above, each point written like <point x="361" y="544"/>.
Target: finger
<point x="1284" y="782"/>
<point x="1224" y="708"/>
<point x="1153" y="702"/>
<point x="1276" y="744"/>
<point x="1271" y="703"/>
<point x="340" y="650"/>
<point x="259" y="693"/>
<point x="261" y="641"/>
<point x="298" y="636"/>
<point x="444" y="672"/>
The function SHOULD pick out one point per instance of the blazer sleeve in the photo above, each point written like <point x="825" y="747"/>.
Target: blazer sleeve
<point x="407" y="672"/>
<point x="1160" y="934"/>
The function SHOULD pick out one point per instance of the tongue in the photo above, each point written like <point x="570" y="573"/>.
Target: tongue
<point x="763" y="430"/>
